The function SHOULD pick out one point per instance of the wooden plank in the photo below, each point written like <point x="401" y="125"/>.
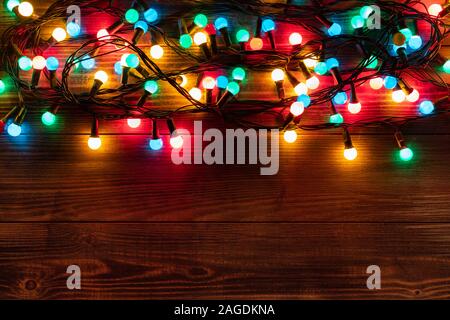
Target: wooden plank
<point x="224" y="261"/>
<point x="54" y="178"/>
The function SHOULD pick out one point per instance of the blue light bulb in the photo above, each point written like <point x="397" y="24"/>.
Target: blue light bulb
<point x="73" y="29"/>
<point x="332" y="63"/>
<point x="334" y="30"/>
<point x="221" y="23"/>
<point x="118" y="68"/>
<point x="268" y="25"/>
<point x="151" y="86"/>
<point x="222" y="82"/>
<point x="426" y="107"/>
<point x="87" y="62"/>
<point x="151" y="15"/>
<point x="390" y="82"/>
<point x="14" y="130"/>
<point x="52" y="63"/>
<point x="340" y="98"/>
<point x="415" y="42"/>
<point x="156" y="144"/>
<point x="321" y="68"/>
<point x="141" y="25"/>
<point x="305" y="100"/>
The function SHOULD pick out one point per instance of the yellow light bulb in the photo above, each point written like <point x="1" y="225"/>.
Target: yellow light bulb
<point x="101" y="76"/>
<point x="354" y="107"/>
<point x="278" y="75"/>
<point x="435" y="9"/>
<point x="39" y="62"/>
<point x="134" y="123"/>
<point x="310" y="63"/>
<point x="59" y="34"/>
<point x="200" y="38"/>
<point x="94" y="143"/>
<point x="209" y="83"/>
<point x="184" y="81"/>
<point x="398" y="96"/>
<point x="176" y="142"/>
<point x="156" y="52"/>
<point x="376" y="83"/>
<point x="350" y="154"/>
<point x="413" y="96"/>
<point x="104" y="34"/>
<point x="26" y="9"/>
<point x="290" y="136"/>
<point x="313" y="83"/>
<point x="297" y="109"/>
<point x="196" y="93"/>
<point x="300" y="89"/>
<point x="295" y="39"/>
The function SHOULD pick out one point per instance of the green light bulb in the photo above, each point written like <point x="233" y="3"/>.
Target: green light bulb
<point x="406" y="154"/>
<point x="185" y="41"/>
<point x="2" y="87"/>
<point x="242" y="35"/>
<point x="132" y="16"/>
<point x="447" y="66"/>
<point x="336" y="118"/>
<point x="48" y="118"/>
<point x="373" y="64"/>
<point x="357" y="22"/>
<point x="238" y="74"/>
<point x="201" y="20"/>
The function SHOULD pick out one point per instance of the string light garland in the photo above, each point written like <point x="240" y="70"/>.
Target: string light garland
<point x="388" y="56"/>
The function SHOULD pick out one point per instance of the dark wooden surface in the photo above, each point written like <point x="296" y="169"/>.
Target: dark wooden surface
<point x="141" y="227"/>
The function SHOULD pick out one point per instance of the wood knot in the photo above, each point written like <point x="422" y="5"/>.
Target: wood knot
<point x="30" y="285"/>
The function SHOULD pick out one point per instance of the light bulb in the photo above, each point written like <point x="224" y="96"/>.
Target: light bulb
<point x="52" y="64"/>
<point x="26" y="9"/>
<point x="151" y="86"/>
<point x="426" y="107"/>
<point x="321" y="68"/>
<point x="59" y="34"/>
<point x="222" y="82"/>
<point x="310" y="63"/>
<point x="295" y="39"/>
<point x="94" y="143"/>
<point x="278" y="75"/>
<point x="290" y="136"/>
<point x="48" y="118"/>
<point x="390" y="82"/>
<point x="184" y="81"/>
<point x="435" y="9"/>
<point x="221" y="23"/>
<point x="398" y="95"/>
<point x="334" y="30"/>
<point x="350" y="154"/>
<point x="2" y="87"/>
<point x="340" y="98"/>
<point x="103" y="34"/>
<point x="134" y="123"/>
<point x="101" y="76"/>
<point x="39" y="63"/>
<point x="357" y="22"/>
<point x="242" y="36"/>
<point x="132" y="60"/>
<point x="297" y="109"/>
<point x="151" y="15"/>
<point x="14" y="130"/>
<point x="376" y="83"/>
<point x="200" y="38"/>
<point x="25" y="63"/>
<point x="11" y="4"/>
<point x="406" y="154"/>
<point x="156" y="52"/>
<point x="413" y="96"/>
<point x="415" y="42"/>
<point x="366" y="11"/>
<point x="132" y="16"/>
<point x="196" y="94"/>
<point x="305" y="100"/>
<point x="300" y="89"/>
<point x="118" y="68"/>
<point x="176" y="142"/>
<point x="201" y="20"/>
<point x="185" y="41"/>
<point x="156" y="144"/>
<point x="336" y="118"/>
<point x="354" y="107"/>
<point x="238" y="74"/>
<point x="446" y="66"/>
<point x="313" y="83"/>
<point x="256" y="44"/>
<point x="88" y="63"/>
<point x="73" y="29"/>
<point x="209" y="83"/>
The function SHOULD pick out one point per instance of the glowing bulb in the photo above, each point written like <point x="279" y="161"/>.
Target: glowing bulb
<point x="268" y="25"/>
<point x="151" y="15"/>
<point x="132" y="16"/>
<point x="305" y="100"/>
<point x="334" y="30"/>
<point x="39" y="63"/>
<point x="321" y="68"/>
<point x="256" y="44"/>
<point x="184" y="81"/>
<point x="415" y="42"/>
<point x="101" y="76"/>
<point x="73" y="29"/>
<point x="156" y="51"/>
<point x="176" y="142"/>
<point x="413" y="96"/>
<point x="185" y="41"/>
<point x="366" y="11"/>
<point x="132" y="60"/>
<point x="52" y="63"/>
<point x="222" y="82"/>
<point x="278" y="75"/>
<point x="295" y="39"/>
<point x="201" y="20"/>
<point x="151" y="86"/>
<point x="141" y="25"/>
<point x="390" y="82"/>
<point x="310" y="63"/>
<point x="233" y="88"/>
<point x="407" y="33"/>
<point x="435" y="9"/>
<point x="398" y="96"/>
<point x="94" y="143"/>
<point x="221" y="23"/>
<point x="297" y="109"/>
<point x="11" y="4"/>
<point x="200" y="38"/>
<point x="103" y="34"/>
<point x="25" y="63"/>
<point x="373" y="63"/>
<point x="336" y="118"/>
<point x="2" y="87"/>
<point x="290" y="136"/>
<point x="426" y="107"/>
<point x="332" y="63"/>
<point x="134" y="123"/>
<point x="156" y="144"/>
<point x="238" y="74"/>
<point x="300" y="89"/>
<point x="354" y="107"/>
<point x="26" y="9"/>
<point x="88" y="63"/>
<point x="196" y="94"/>
<point x="376" y="83"/>
<point x="48" y="118"/>
<point x="406" y="154"/>
<point x="242" y="35"/>
<point x="14" y="130"/>
<point x="59" y="34"/>
<point x="350" y="154"/>
<point x="340" y="98"/>
<point x="313" y="83"/>
<point x="357" y="22"/>
<point x="446" y="66"/>
<point x="209" y="83"/>
<point x="118" y="68"/>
